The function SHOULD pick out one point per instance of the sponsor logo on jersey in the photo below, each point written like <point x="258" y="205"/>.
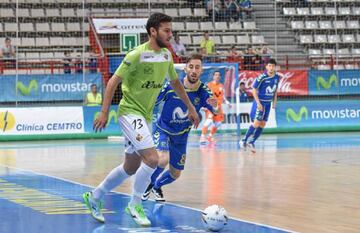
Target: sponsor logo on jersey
<point x="151" y="85"/>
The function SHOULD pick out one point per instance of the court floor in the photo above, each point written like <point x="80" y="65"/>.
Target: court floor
<point x="295" y="182"/>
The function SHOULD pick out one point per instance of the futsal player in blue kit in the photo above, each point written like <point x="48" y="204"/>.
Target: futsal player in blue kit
<point x="171" y="130"/>
<point x="264" y="93"/>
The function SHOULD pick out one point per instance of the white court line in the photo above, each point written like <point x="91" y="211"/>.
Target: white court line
<point x="125" y="194"/>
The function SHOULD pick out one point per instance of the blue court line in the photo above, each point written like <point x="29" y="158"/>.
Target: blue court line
<point x="32" y="203"/>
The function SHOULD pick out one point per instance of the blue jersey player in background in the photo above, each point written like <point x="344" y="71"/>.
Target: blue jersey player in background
<point x="171" y="130"/>
<point x="264" y="92"/>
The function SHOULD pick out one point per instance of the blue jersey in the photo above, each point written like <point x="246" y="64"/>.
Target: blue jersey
<point x="243" y="97"/>
<point x="174" y="115"/>
<point x="266" y="86"/>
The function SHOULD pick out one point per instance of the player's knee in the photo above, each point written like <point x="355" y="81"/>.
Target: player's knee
<point x="151" y="159"/>
<point x="175" y="173"/>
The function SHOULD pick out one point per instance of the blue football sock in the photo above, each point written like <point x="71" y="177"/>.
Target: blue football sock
<point x="249" y="132"/>
<point x="156" y="174"/>
<point x="163" y="180"/>
<point x="257" y="134"/>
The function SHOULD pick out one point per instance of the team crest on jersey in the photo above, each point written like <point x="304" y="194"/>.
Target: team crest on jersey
<point x="166" y="56"/>
<point x="148" y="69"/>
<point x="139" y="137"/>
<point x="197" y="101"/>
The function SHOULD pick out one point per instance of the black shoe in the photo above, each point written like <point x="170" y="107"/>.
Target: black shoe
<point x="159" y="196"/>
<point x="146" y="194"/>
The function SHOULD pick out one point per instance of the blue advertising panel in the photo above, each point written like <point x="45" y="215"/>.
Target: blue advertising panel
<point x="90" y="113"/>
<point x="47" y="87"/>
<point x="332" y="82"/>
<point x="318" y="113"/>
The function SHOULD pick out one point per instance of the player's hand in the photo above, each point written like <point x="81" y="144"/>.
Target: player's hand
<point x="260" y="107"/>
<point x="194" y="117"/>
<point x="100" y="122"/>
<point x="212" y="102"/>
<point x="273" y="105"/>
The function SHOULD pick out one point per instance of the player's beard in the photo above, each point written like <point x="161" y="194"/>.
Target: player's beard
<point x="192" y="81"/>
<point x="160" y="43"/>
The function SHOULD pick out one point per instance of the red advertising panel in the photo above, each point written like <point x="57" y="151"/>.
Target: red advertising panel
<point x="292" y="82"/>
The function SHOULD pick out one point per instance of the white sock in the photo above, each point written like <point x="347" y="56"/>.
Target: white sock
<point x="112" y="180"/>
<point x="142" y="180"/>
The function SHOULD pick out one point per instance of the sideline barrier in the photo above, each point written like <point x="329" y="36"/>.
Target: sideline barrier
<point x="318" y="115"/>
<point x="76" y="122"/>
<point x="332" y="82"/>
<point x="58" y="87"/>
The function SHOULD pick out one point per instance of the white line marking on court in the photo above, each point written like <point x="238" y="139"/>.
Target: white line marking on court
<point x="168" y="203"/>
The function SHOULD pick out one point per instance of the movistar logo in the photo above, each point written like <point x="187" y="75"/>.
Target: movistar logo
<point x="26" y="90"/>
<point x="7" y="121"/>
<point x="112" y="117"/>
<point x="326" y="84"/>
<point x="179" y="113"/>
<point x="296" y="117"/>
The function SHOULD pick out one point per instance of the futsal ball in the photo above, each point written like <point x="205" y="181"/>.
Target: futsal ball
<point x="214" y="218"/>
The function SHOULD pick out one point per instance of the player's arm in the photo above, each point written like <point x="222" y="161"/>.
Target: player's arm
<point x="101" y="120"/>
<point x="275" y="98"/>
<point x="180" y="91"/>
<point x="255" y="89"/>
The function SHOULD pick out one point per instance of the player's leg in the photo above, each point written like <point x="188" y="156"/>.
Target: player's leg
<point x="161" y="141"/>
<point x="94" y="199"/>
<point x="260" y="125"/>
<point x="139" y="133"/>
<point x="163" y="162"/>
<point x="217" y="121"/>
<point x="177" y="149"/>
<point x="253" y="115"/>
<point x="207" y="123"/>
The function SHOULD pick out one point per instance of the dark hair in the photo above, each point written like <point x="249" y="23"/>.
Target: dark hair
<point x="93" y="85"/>
<point x="242" y="83"/>
<point x="272" y="61"/>
<point x="7" y="38"/>
<point x="155" y="20"/>
<point x="194" y="56"/>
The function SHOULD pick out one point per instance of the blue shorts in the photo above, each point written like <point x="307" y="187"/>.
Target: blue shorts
<point x="175" y="144"/>
<point x="260" y="115"/>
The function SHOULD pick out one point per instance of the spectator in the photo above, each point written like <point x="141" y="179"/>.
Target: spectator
<point x="208" y="44"/>
<point x="233" y="9"/>
<point x="257" y="63"/>
<point x="265" y="53"/>
<point x="178" y="47"/>
<point x="244" y="97"/>
<point x="67" y="60"/>
<point x="93" y="98"/>
<point x="246" y="9"/>
<point x="78" y="64"/>
<point x="93" y="63"/>
<point x="216" y="10"/>
<point x="249" y="57"/>
<point x="234" y="55"/>
<point x="8" y="50"/>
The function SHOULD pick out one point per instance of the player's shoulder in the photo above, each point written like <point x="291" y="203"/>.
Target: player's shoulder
<point x="205" y="88"/>
<point x="261" y="76"/>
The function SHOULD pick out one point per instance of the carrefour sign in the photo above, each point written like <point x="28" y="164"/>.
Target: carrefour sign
<point x="332" y="82"/>
<point x="41" y="120"/>
<point x="318" y="113"/>
<point x="47" y="87"/>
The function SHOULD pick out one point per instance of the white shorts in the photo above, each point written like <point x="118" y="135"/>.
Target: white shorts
<point x="137" y="133"/>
